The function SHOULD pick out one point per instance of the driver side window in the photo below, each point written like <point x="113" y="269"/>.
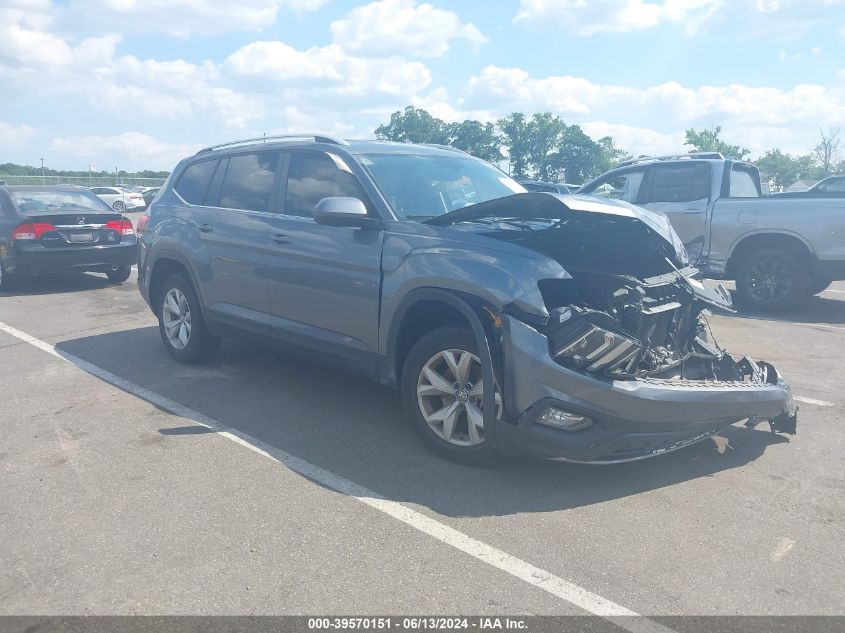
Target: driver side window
<point x="622" y="187"/>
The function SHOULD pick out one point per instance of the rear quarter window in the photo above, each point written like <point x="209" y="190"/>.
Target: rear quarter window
<point x="194" y="181"/>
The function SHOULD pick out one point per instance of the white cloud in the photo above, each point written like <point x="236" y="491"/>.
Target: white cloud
<point x="403" y="27"/>
<point x="182" y="18"/>
<point x="618" y="16"/>
<point x="514" y="88"/>
<point x="330" y="66"/>
<point x="637" y="140"/>
<point x="142" y="148"/>
<point x="14" y="135"/>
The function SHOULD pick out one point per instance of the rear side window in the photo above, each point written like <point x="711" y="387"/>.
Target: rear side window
<point x="194" y="181"/>
<point x="742" y="184"/>
<point x="248" y="183"/>
<point x="678" y="183"/>
<point x="313" y="176"/>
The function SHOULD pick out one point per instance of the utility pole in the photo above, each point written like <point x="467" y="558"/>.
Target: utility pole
<point x="43" y="178"/>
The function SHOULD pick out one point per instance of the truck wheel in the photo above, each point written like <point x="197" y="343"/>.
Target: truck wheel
<point x="442" y="391"/>
<point x="817" y="286"/>
<point x="181" y="324"/>
<point x="771" y="279"/>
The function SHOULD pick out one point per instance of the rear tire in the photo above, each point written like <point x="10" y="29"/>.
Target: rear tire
<point x="180" y="322"/>
<point x="7" y="281"/>
<point x="120" y="275"/>
<point x="119" y="207"/>
<point x="439" y="403"/>
<point x="771" y="279"/>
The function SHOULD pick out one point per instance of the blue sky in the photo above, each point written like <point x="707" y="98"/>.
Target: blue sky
<point x="139" y="83"/>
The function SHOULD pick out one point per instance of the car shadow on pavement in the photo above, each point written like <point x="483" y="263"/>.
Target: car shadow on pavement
<point x="814" y="310"/>
<point x="58" y="283"/>
<point x="356" y="428"/>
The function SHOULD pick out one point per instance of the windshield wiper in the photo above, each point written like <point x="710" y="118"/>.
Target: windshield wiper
<point x="420" y="218"/>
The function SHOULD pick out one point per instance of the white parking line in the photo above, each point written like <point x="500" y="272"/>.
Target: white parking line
<point x="818" y="403"/>
<point x="540" y="578"/>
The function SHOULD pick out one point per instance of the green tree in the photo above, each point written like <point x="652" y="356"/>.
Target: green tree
<point x="545" y="132"/>
<point x="476" y="138"/>
<point x="413" y="125"/>
<point x="583" y="158"/>
<point x="708" y="140"/>
<point x="515" y="130"/>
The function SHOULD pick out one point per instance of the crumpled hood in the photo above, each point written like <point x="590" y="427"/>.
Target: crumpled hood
<point x="554" y="206"/>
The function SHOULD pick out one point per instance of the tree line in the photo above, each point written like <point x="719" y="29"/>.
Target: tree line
<point x="13" y="169"/>
<point x="545" y="147"/>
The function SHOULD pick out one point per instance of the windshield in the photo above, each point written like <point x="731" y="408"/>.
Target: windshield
<point x="423" y="186"/>
<point x="45" y="202"/>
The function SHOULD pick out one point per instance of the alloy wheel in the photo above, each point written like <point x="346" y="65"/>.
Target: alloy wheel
<point x="176" y="318"/>
<point x="769" y="281"/>
<point x="450" y="394"/>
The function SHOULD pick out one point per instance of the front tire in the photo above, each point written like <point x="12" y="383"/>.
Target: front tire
<point x="771" y="279"/>
<point x="119" y="207"/>
<point x="120" y="275"/>
<point x="180" y="322"/>
<point x="442" y="392"/>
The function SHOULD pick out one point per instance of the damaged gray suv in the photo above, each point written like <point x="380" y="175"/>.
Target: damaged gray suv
<point x="558" y="326"/>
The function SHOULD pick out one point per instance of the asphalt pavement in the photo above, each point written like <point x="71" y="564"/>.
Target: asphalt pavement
<point x="264" y="484"/>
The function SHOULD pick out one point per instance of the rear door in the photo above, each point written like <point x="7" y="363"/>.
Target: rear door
<point x="324" y="280"/>
<point x="230" y="227"/>
<point x="682" y="192"/>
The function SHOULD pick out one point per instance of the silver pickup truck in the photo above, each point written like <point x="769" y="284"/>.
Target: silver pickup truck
<point x="777" y="249"/>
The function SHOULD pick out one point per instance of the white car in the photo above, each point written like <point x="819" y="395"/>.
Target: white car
<point x="119" y="199"/>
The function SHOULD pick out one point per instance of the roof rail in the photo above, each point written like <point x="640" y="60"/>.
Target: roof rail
<point x="316" y="138"/>
<point x="688" y="156"/>
<point x="450" y="148"/>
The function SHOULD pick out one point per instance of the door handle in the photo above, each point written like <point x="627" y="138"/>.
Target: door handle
<point x="280" y="238"/>
<point x="206" y="228"/>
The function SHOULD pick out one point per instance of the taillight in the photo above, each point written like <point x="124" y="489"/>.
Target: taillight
<point x="124" y="227"/>
<point x="32" y="231"/>
<point x="143" y="221"/>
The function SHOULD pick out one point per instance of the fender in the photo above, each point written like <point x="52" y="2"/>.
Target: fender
<point x="181" y="259"/>
<point x="783" y="232"/>
<point x="463" y="305"/>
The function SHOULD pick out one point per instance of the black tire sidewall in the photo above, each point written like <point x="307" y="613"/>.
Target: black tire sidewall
<point x="438" y="340"/>
<point x="201" y="345"/>
<point x="120" y="275"/>
<point x="795" y="264"/>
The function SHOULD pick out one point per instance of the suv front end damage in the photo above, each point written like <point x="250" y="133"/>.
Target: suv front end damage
<point x="622" y="367"/>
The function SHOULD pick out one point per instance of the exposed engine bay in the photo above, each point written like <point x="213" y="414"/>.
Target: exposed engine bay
<point x="633" y="308"/>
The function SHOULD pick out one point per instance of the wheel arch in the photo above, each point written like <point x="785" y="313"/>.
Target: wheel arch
<point x="778" y="240"/>
<point x="426" y="309"/>
<point x="164" y="265"/>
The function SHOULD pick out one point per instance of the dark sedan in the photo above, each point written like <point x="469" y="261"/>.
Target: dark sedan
<point x="46" y="229"/>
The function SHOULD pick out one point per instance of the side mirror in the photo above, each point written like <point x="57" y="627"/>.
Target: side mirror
<point x="343" y="211"/>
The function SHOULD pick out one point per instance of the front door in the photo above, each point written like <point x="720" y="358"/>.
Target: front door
<point x="324" y="280"/>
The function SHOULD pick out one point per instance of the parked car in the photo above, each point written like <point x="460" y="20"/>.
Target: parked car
<point x="777" y="249"/>
<point x="119" y="199"/>
<point x="559" y="326"/>
<point x="149" y="194"/>
<point x="830" y="187"/>
<point x="546" y="187"/>
<point x="46" y="229"/>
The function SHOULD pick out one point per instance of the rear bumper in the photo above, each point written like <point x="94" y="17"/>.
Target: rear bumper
<point x="34" y="259"/>
<point x="633" y="419"/>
